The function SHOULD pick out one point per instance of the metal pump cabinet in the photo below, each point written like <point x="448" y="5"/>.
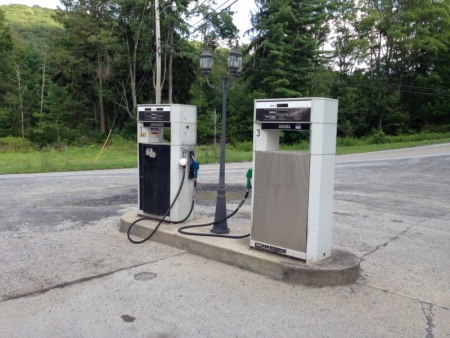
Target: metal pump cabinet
<point x="292" y="197"/>
<point x="160" y="172"/>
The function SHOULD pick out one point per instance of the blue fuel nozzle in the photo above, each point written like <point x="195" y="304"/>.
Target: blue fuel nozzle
<point x="193" y="172"/>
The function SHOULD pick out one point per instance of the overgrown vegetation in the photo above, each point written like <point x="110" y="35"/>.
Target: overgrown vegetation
<point x="70" y="76"/>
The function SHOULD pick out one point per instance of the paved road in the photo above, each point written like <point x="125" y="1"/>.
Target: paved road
<point x="397" y="154"/>
<point x="66" y="271"/>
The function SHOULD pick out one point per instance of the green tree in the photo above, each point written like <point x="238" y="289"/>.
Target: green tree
<point x="285" y="50"/>
<point x="135" y="34"/>
<point x="350" y="50"/>
<point x="56" y="119"/>
<point x="405" y="38"/>
<point x="286" y="46"/>
<point x="6" y="47"/>
<point x="89" y="25"/>
<point x="6" y="43"/>
<point x="423" y="45"/>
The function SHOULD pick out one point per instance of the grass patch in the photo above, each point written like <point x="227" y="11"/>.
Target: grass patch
<point x="379" y="141"/>
<point x="20" y="156"/>
<point x="342" y="150"/>
<point x="211" y="154"/>
<point x="15" y="144"/>
<point x="118" y="154"/>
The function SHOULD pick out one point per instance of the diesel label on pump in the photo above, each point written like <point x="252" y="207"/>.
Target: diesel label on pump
<point x="287" y="126"/>
<point x="156" y="124"/>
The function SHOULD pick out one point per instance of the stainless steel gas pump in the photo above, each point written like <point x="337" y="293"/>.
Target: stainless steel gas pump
<point x="162" y="163"/>
<point x="292" y="197"/>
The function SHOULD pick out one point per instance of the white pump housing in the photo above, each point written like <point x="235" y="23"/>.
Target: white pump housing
<point x="292" y="197"/>
<point x="162" y="163"/>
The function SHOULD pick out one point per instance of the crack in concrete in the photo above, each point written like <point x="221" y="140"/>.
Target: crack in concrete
<point x="386" y="243"/>
<point x="428" y="312"/>
<point x="82" y="280"/>
<point x="404" y="296"/>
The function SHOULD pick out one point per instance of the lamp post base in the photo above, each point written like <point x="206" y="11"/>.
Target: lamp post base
<point x="220" y="222"/>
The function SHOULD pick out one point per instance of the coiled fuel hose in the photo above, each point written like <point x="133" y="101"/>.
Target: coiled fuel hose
<point x="182" y="229"/>
<point x="161" y="220"/>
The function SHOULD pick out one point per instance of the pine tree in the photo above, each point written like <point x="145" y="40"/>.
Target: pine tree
<point x="286" y="45"/>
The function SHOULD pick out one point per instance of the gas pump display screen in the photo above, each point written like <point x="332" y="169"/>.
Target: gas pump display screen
<point x="154" y="115"/>
<point x="280" y="114"/>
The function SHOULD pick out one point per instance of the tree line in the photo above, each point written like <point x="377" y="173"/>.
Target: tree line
<point x="73" y="74"/>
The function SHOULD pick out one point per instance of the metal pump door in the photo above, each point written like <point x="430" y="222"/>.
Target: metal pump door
<point x="154" y="178"/>
<point x="280" y="191"/>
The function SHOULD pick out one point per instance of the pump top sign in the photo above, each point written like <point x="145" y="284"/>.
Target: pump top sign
<point x="155" y="114"/>
<point x="283" y="111"/>
<point x="286" y="115"/>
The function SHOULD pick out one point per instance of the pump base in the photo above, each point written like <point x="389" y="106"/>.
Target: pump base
<point x="341" y="268"/>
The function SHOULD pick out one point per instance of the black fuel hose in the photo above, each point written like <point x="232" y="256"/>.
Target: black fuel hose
<point x="182" y="229"/>
<point x="161" y="220"/>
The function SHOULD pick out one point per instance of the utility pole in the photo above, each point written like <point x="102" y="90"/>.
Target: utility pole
<point x="158" y="84"/>
<point x="158" y="54"/>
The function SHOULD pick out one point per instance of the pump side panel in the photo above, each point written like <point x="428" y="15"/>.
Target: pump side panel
<point x="280" y="192"/>
<point x="154" y="178"/>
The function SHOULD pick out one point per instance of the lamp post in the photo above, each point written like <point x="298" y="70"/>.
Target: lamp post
<point x="158" y="48"/>
<point x="234" y="67"/>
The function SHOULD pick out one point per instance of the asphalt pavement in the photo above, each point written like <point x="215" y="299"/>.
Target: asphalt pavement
<point x="67" y="271"/>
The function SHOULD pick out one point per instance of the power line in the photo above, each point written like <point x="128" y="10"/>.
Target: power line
<point x="212" y="18"/>
<point x="215" y="10"/>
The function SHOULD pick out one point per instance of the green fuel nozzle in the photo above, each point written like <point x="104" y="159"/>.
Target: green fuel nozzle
<point x="249" y="176"/>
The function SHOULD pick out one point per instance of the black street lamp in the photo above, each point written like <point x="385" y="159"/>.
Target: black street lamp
<point x="234" y="67"/>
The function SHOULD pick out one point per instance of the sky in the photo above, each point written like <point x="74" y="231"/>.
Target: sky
<point x="241" y="18"/>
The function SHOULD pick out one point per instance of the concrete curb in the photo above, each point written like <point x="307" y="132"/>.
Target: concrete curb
<point x="341" y="268"/>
